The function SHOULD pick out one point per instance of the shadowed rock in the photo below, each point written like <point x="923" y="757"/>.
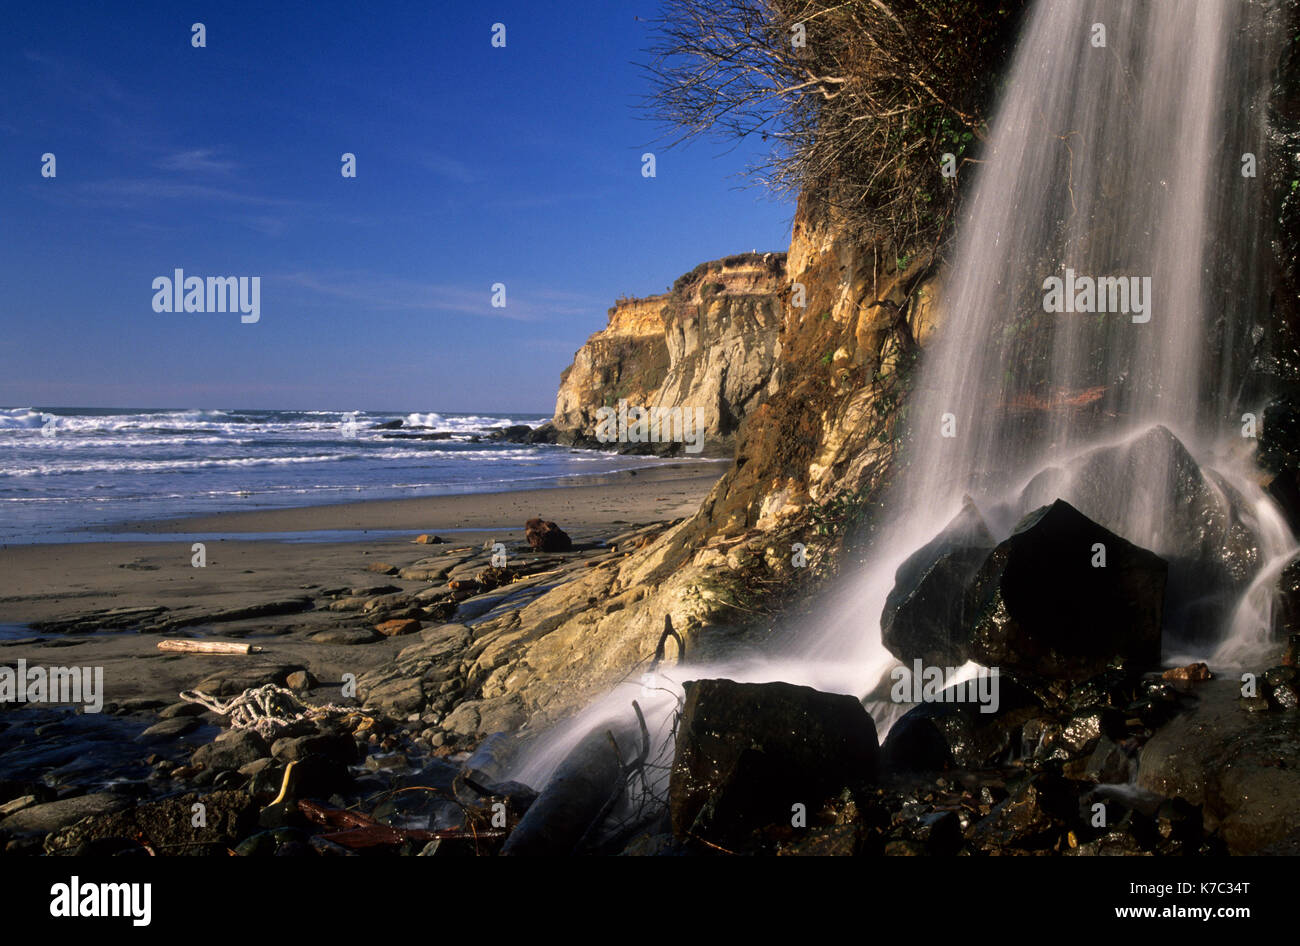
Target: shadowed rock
<point x="1046" y="607"/>
<point x="1152" y="490"/>
<point x="573" y="799"/>
<point x="748" y="752"/>
<point x="545" y="536"/>
<point x="925" y="612"/>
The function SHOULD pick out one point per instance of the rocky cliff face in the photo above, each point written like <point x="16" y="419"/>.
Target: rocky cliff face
<point x="709" y="344"/>
<point x="829" y="429"/>
<point x="815" y="439"/>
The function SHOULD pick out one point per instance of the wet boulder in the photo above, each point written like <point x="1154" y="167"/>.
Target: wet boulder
<point x="748" y="752"/>
<point x="1243" y="777"/>
<point x="952" y="730"/>
<point x="1046" y="607"/>
<point x="1279" y="435"/>
<point x="1284" y="490"/>
<point x="1151" y="490"/>
<point x="572" y="803"/>
<point x="1286" y="615"/>
<point x="925" y="614"/>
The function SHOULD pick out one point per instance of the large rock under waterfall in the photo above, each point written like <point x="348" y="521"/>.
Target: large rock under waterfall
<point x="1050" y="605"/>
<point x="1041" y="604"/>
<point x="1151" y="490"/>
<point x="747" y="753"/>
<point x="925" y="612"/>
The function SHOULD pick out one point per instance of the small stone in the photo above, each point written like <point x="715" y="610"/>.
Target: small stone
<point x="182" y="709"/>
<point x="382" y="568"/>
<point x="169" y="729"/>
<point x="1254" y="704"/>
<point x="300" y="680"/>
<point x="1287" y="696"/>
<point x="1196" y="671"/>
<point x="256" y="766"/>
<point x="427" y="539"/>
<point x="1292" y="656"/>
<point x="1276" y="676"/>
<point x="232" y="750"/>
<point x="261" y="844"/>
<point x="398" y="628"/>
<point x="387" y="762"/>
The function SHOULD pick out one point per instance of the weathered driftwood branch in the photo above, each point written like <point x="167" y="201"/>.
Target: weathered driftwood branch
<point x="207" y="647"/>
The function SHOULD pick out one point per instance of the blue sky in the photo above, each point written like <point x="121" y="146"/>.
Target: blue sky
<point x="475" y="165"/>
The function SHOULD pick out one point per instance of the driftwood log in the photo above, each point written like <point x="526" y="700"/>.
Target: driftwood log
<point x="207" y="647"/>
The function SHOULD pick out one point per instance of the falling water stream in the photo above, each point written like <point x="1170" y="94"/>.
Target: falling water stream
<point x="1117" y="151"/>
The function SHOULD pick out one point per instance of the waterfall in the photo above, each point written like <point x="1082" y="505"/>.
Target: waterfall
<point x="1117" y="152"/>
<point x="1116" y="159"/>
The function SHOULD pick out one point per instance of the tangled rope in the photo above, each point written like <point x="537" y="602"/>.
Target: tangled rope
<point x="266" y="709"/>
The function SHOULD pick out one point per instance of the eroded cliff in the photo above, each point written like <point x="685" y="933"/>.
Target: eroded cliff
<point x="813" y="444"/>
<point x="709" y="344"/>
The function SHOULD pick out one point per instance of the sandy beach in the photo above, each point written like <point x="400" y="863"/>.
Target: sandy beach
<point x="244" y="568"/>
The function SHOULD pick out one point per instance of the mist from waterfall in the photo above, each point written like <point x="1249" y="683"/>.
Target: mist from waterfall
<point x="1115" y="160"/>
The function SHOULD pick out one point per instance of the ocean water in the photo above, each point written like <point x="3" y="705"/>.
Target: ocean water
<point x="67" y="471"/>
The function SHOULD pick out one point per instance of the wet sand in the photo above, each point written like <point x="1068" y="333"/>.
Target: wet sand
<point x="53" y="581"/>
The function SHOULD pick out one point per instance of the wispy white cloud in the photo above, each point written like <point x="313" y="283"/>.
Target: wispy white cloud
<point x="377" y="291"/>
<point x="196" y="160"/>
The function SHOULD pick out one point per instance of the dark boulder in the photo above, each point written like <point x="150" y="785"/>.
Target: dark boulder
<point x="924" y="616"/>
<point x="748" y="752"/>
<point x="1286" y="616"/>
<point x="1284" y="489"/>
<point x="232" y="750"/>
<point x="514" y="433"/>
<point x="544" y="433"/>
<point x="545" y="536"/>
<point x="338" y="746"/>
<point x="1151" y="490"/>
<point x="572" y="802"/>
<point x="1043" y="609"/>
<point x="948" y="731"/>
<point x="1279" y="435"/>
<point x="1243" y="775"/>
